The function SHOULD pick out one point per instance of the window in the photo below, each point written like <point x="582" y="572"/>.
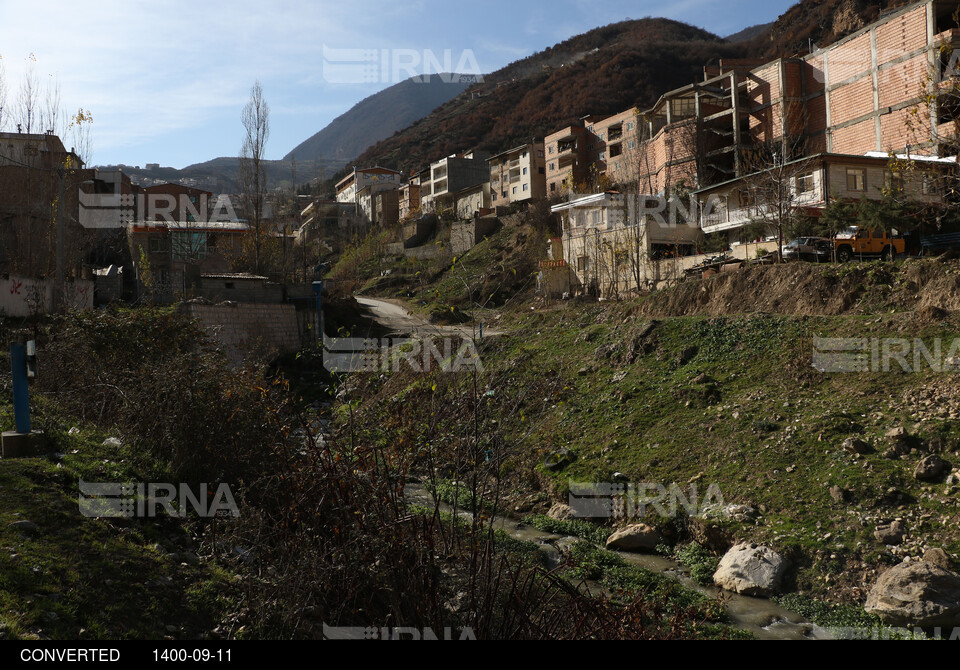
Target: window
<point x="541" y="170"/>
<point x="526" y="187"/>
<point x="550" y="148"/>
<point x="931" y="184"/>
<point x="895" y="182"/>
<point x="553" y="187"/>
<point x="805" y="183"/>
<point x="157" y="244"/>
<point x="856" y="179"/>
<point x="630" y="125"/>
<point x="583" y="264"/>
<point x="188" y="245"/>
<point x="553" y="166"/>
<point x="524" y="170"/>
<point x="632" y="144"/>
<point x="514" y="190"/>
<point x="603" y="156"/>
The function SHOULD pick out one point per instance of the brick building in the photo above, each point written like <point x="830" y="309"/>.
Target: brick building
<point x="518" y="175"/>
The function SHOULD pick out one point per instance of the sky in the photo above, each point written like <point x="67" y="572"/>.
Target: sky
<point x="166" y="82"/>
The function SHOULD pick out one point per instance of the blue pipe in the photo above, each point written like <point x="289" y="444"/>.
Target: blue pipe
<point x="21" y="393"/>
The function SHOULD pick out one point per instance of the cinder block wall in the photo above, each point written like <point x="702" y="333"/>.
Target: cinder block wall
<point x="248" y="330"/>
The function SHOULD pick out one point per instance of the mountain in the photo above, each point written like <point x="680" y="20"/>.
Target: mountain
<point x="604" y="71"/>
<point x="381" y="115"/>
<point x="750" y="33"/>
<point x="821" y="22"/>
<point x="220" y="174"/>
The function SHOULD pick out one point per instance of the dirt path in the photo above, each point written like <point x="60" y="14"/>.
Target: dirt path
<point x="396" y="318"/>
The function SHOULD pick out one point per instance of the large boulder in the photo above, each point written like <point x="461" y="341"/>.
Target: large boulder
<point x="917" y="594"/>
<point x="638" y="537"/>
<point x="930" y="467"/>
<point x="890" y="533"/>
<point x="750" y="569"/>
<point x="561" y="512"/>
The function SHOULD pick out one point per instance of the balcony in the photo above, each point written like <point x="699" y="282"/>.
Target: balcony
<point x="723" y="218"/>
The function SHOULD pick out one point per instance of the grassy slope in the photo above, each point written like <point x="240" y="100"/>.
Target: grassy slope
<point x="765" y="426"/>
<point x="83" y="578"/>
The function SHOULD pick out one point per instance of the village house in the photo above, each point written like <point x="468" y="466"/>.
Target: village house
<point x="474" y="202"/>
<point x="567" y="159"/>
<point x="376" y="178"/>
<point x="518" y="175"/>
<point x="450" y="175"/>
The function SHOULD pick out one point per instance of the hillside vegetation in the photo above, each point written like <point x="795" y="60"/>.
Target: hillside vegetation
<point x="604" y="71"/>
<point x="710" y="382"/>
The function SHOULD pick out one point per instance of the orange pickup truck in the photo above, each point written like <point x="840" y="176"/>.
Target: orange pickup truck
<point x="860" y="242"/>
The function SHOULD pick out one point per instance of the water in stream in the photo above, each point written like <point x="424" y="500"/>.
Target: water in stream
<point x="761" y="617"/>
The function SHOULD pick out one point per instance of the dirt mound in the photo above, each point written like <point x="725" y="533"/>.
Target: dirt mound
<point x="803" y="289"/>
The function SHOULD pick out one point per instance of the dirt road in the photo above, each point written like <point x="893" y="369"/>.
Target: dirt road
<point x="399" y="321"/>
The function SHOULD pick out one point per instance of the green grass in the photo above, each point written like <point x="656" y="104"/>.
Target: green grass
<point x="582" y="529"/>
<point x="748" y="413"/>
<point x="588" y="562"/>
<point x="701" y="563"/>
<point x="84" y="578"/>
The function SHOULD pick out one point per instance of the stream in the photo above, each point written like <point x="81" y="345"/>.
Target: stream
<point x="761" y="617"/>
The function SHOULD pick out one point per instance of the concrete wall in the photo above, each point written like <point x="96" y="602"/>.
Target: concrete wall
<point x="416" y="233"/>
<point x="23" y="297"/>
<point x="465" y="234"/>
<point x="248" y="330"/>
<point x="217" y="289"/>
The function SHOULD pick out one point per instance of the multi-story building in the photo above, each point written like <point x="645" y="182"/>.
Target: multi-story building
<point x="614" y="149"/>
<point x="450" y="175"/>
<point x="810" y="183"/>
<point x="567" y="158"/>
<point x="409" y="198"/>
<point x="33" y="168"/>
<point x="376" y="178"/>
<point x="874" y="91"/>
<point x="518" y="175"/>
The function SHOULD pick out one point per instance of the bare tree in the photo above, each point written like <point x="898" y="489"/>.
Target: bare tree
<point x="776" y="172"/>
<point x="4" y="112"/>
<point x="79" y="133"/>
<point x="53" y="119"/>
<point x="256" y="125"/>
<point x="28" y="99"/>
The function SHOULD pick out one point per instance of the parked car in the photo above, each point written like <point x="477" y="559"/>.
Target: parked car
<point x="863" y="243"/>
<point x="808" y="248"/>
